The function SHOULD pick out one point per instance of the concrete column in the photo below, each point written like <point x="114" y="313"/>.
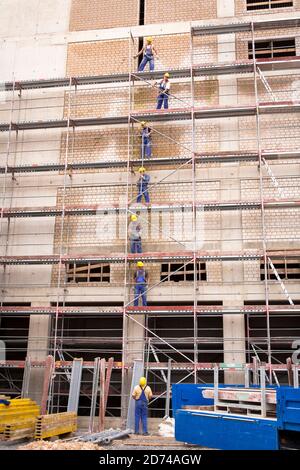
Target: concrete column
<point x="135" y="338"/>
<point x="225" y="8"/>
<point x="134" y="350"/>
<point x="234" y="341"/>
<point x="37" y="350"/>
<point x="233" y="325"/>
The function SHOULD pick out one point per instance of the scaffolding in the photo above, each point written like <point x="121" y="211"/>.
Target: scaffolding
<point x="191" y="167"/>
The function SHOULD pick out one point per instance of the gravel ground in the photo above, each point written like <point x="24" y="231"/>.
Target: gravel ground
<point x="122" y="444"/>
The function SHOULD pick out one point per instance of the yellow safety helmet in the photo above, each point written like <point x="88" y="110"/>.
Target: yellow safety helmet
<point x="143" y="381"/>
<point x="149" y="39"/>
<point x="167" y="75"/>
<point x="142" y="169"/>
<point x="140" y="264"/>
<point x="143" y="123"/>
<point x="134" y="218"/>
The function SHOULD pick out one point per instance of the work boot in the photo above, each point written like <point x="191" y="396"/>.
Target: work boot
<point x="146" y="434"/>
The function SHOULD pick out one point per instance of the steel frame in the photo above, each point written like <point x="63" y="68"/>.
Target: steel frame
<point x="22" y="212"/>
<point x="220" y="157"/>
<point x="191" y="114"/>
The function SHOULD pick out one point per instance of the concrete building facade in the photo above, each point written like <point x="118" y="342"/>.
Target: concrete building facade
<point x="224" y="191"/>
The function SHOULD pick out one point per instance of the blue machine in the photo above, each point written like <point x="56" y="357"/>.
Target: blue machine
<point x="232" y="431"/>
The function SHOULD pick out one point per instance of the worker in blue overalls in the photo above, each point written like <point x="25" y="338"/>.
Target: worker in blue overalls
<point x="142" y="394"/>
<point x="142" y="186"/>
<point x="141" y="280"/>
<point x="146" y="145"/>
<point x="135" y="235"/>
<point x="163" y="92"/>
<point x="149" y="52"/>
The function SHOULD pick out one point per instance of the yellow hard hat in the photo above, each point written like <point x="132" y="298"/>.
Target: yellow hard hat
<point x="149" y="39"/>
<point x="143" y="381"/>
<point x="167" y="75"/>
<point x="140" y="264"/>
<point x="133" y="217"/>
<point x="143" y="123"/>
<point x="142" y="169"/>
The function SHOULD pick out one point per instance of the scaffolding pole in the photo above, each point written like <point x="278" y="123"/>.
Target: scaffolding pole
<point x="261" y="186"/>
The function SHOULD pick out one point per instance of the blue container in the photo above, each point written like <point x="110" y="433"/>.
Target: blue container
<point x="288" y="408"/>
<point x="221" y="431"/>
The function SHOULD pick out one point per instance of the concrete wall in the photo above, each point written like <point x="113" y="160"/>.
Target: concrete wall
<point x="30" y="49"/>
<point x="27" y="38"/>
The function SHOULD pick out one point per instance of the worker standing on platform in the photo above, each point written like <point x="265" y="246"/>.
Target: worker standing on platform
<point x="135" y="235"/>
<point x="142" y="394"/>
<point x="146" y="147"/>
<point x="149" y="52"/>
<point x="141" y="280"/>
<point x="142" y="186"/>
<point x="164" y="90"/>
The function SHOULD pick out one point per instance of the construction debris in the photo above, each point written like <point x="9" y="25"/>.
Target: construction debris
<point x="59" y="445"/>
<point x="167" y="427"/>
<point x="55" y="424"/>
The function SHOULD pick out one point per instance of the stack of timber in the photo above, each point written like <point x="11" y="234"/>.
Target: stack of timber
<point x="18" y="418"/>
<point x="55" y="424"/>
<point x="20" y="430"/>
<point x="243" y="400"/>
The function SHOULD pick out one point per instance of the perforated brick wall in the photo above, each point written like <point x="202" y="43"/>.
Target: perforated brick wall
<point x="283" y="89"/>
<point x="278" y="132"/>
<point x="98" y="58"/>
<point x="178" y="10"/>
<point x="282" y="227"/>
<point x="95" y="14"/>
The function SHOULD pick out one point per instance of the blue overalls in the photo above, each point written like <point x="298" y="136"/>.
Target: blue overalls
<point x="148" y="57"/>
<point x="140" y="288"/>
<point x="136" y="246"/>
<point x="146" y="149"/>
<point x="163" y="98"/>
<point x="135" y="239"/>
<point x="143" y="189"/>
<point x="141" y="412"/>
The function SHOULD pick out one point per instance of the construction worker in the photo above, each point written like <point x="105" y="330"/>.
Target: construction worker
<point x="141" y="280"/>
<point x="134" y="233"/>
<point x="146" y="147"/>
<point x="149" y="52"/>
<point x="142" y="186"/>
<point x="164" y="90"/>
<point x="142" y="394"/>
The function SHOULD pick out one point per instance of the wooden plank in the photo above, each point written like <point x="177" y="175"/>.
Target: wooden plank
<point x="110" y="364"/>
<point x="102" y="395"/>
<point x="153" y="444"/>
<point x="246" y="395"/>
<point x="49" y="366"/>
